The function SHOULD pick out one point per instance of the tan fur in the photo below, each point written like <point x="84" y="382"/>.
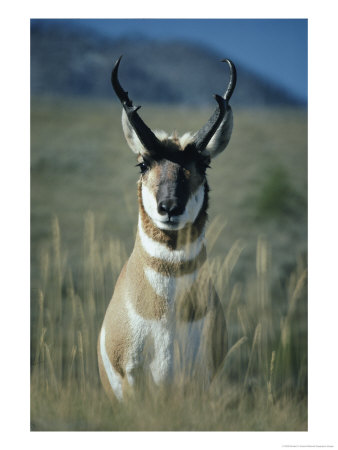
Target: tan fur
<point x="118" y="331"/>
<point x="133" y="284"/>
<point x="198" y="303"/>
<point x="191" y="174"/>
<point x="140" y="290"/>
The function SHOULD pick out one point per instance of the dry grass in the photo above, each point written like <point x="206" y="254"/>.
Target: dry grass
<point x="261" y="385"/>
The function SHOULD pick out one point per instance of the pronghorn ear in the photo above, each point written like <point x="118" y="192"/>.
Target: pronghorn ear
<point x="131" y="136"/>
<point x="221" y="137"/>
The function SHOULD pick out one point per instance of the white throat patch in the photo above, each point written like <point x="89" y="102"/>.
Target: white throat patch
<point x="156" y="249"/>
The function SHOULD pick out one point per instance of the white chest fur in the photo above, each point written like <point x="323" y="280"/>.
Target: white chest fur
<point x="166" y="359"/>
<point x="161" y="331"/>
<point x="169" y="287"/>
<point x="161" y="334"/>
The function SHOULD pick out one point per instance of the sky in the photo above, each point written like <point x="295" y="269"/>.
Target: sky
<point x="273" y="48"/>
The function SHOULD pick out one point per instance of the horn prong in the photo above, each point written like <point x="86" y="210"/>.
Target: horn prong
<point x="205" y="134"/>
<point x="144" y="133"/>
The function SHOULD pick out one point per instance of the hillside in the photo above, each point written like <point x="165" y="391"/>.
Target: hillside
<point x="68" y="61"/>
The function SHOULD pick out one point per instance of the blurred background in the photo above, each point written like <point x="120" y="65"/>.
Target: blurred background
<point x="83" y="179"/>
<point x="172" y="61"/>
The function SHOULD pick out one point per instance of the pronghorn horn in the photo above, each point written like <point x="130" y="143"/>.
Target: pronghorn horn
<point x="204" y="135"/>
<point x="232" y="81"/>
<point x="144" y="133"/>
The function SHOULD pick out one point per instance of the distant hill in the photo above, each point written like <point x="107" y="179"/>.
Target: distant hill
<point x="76" y="62"/>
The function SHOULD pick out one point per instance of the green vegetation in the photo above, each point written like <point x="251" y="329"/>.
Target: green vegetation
<point x="80" y="163"/>
<point x="277" y="196"/>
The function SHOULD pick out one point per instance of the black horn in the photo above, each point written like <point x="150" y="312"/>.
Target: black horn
<point x="232" y="81"/>
<point x="144" y="133"/>
<point x="204" y="135"/>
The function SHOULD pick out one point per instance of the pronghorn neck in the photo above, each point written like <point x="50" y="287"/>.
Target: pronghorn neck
<point x="172" y="252"/>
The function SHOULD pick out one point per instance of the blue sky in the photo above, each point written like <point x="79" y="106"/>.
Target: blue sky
<point x="274" y="48"/>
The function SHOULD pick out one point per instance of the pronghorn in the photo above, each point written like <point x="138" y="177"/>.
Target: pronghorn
<point x="164" y="296"/>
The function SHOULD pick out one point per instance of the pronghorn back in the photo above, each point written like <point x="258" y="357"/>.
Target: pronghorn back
<point x="165" y="319"/>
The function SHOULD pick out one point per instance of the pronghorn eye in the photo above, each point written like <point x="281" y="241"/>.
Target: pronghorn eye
<point x="143" y="167"/>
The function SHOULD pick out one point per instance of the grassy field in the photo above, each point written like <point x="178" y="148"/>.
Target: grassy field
<point x="83" y="223"/>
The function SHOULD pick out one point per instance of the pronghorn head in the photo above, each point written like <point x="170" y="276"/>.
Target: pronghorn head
<point x="173" y="169"/>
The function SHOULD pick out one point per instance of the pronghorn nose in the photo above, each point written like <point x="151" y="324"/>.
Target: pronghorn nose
<point x="169" y="206"/>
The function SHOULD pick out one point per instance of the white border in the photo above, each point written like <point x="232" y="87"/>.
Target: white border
<point x="323" y="219"/>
